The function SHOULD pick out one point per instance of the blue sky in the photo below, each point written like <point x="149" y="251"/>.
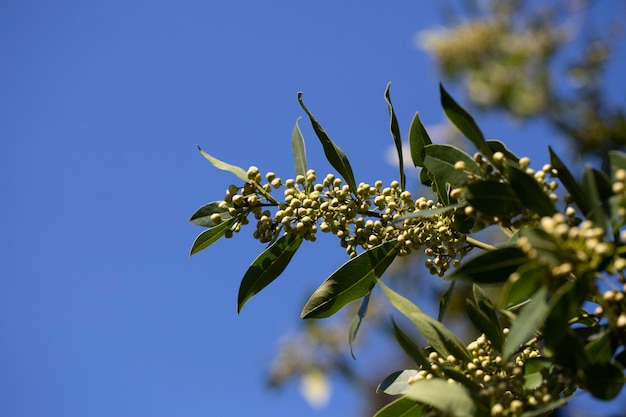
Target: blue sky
<point x="102" y="104"/>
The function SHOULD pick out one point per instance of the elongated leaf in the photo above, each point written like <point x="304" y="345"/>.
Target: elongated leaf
<point x="202" y="216"/>
<point x="357" y="320"/>
<point x="299" y="150"/>
<point x="485" y="317"/>
<point x="239" y="172"/>
<point x="418" y="139"/>
<point x="397" y="382"/>
<point x="210" y="236"/>
<point x="351" y="281"/>
<point x="451" y="399"/>
<point x="492" y="198"/>
<point x="435" y="333"/>
<point x="604" y="380"/>
<point x="440" y="161"/>
<point x="464" y="122"/>
<point x="267" y="267"/>
<point x="445" y="300"/>
<point x="596" y="212"/>
<point x="571" y="185"/>
<point x="429" y="213"/>
<point x="529" y="191"/>
<point x="617" y="160"/>
<point x="409" y="346"/>
<point x="402" y="407"/>
<point x="333" y="153"/>
<point x="395" y="134"/>
<point x="497" y="146"/>
<point x="493" y="266"/>
<point x="531" y="276"/>
<point x="528" y="321"/>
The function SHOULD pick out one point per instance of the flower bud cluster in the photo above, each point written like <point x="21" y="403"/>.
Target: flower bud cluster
<point x="578" y="248"/>
<point x="494" y="171"/>
<point x="363" y="219"/>
<point x="502" y="384"/>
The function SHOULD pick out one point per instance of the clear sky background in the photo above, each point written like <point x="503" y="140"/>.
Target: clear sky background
<point x="102" y="104"/>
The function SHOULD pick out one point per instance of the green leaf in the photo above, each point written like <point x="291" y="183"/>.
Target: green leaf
<point x="451" y="399"/>
<point x="409" y="346"/>
<point x="530" y="318"/>
<point x="418" y="139"/>
<point x="440" y="160"/>
<point x="435" y="333"/>
<point x="299" y="150"/>
<point x="531" y="276"/>
<point x="351" y="281"/>
<point x="483" y="315"/>
<point x="210" y="236"/>
<point x="465" y="123"/>
<point x="571" y="185"/>
<point x="492" y="198"/>
<point x="333" y="153"/>
<point x="445" y="300"/>
<point x="602" y="347"/>
<point x="497" y="146"/>
<point x="617" y="160"/>
<point x="529" y="191"/>
<point x="397" y="382"/>
<point x="604" y="380"/>
<point x="402" y="407"/>
<point x="357" y="320"/>
<point x="395" y="134"/>
<point x="549" y="250"/>
<point x="493" y="266"/>
<point x="202" y="216"/>
<point x="267" y="267"/>
<point x="533" y="372"/>
<point x="239" y="172"/>
<point x="592" y="190"/>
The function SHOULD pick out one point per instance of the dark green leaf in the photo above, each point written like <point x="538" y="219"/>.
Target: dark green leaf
<point x="604" y="380"/>
<point x="445" y="300"/>
<point x="333" y="153"/>
<point x="602" y="347"/>
<point x="492" y="328"/>
<point x="418" y="139"/>
<point x="497" y="146"/>
<point x="530" y="277"/>
<point x="451" y="399"/>
<point x="351" y="281"/>
<point x="410" y="347"/>
<point x="528" y="321"/>
<point x="464" y="122"/>
<point x="617" y="160"/>
<point x="267" y="267"/>
<point x="357" y="320"/>
<point x="397" y="382"/>
<point x="440" y="160"/>
<point x="299" y="150"/>
<point x="202" y="216"/>
<point x="572" y="186"/>
<point x="529" y="192"/>
<point x="402" y="407"/>
<point x="592" y="190"/>
<point x="425" y="177"/>
<point x="395" y="134"/>
<point x="549" y="249"/>
<point x="239" y="172"/>
<point x="210" y="236"/>
<point x="435" y="333"/>
<point x="492" y="198"/>
<point x="492" y="266"/>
